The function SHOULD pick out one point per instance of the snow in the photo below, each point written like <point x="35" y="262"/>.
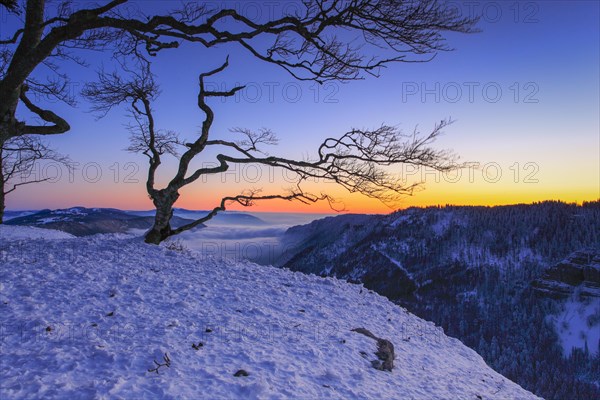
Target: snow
<point x="52" y="219"/>
<point x="579" y="323"/>
<point x="403" y="218"/>
<point x="73" y="211"/>
<point x="29" y="232"/>
<point x="399" y="265"/>
<point x="87" y="318"/>
<point x="441" y="226"/>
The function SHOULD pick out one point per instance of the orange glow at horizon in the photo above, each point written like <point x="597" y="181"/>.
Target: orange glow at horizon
<point x="358" y="204"/>
<point x="207" y="196"/>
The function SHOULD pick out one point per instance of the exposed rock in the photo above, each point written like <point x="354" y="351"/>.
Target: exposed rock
<point x="197" y="346"/>
<point x="580" y="270"/>
<point x="385" y="351"/>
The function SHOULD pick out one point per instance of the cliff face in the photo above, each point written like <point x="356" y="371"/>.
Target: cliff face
<point x="579" y="271"/>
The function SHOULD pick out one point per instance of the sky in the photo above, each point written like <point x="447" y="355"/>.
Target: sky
<point x="523" y="92"/>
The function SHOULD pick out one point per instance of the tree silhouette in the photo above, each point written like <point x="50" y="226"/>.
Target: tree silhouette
<point x="303" y="42"/>
<point x="355" y="160"/>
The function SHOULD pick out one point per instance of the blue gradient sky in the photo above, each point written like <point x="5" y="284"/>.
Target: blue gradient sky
<point x="541" y="132"/>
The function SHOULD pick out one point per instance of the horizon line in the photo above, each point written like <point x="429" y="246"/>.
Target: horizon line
<point x="333" y="212"/>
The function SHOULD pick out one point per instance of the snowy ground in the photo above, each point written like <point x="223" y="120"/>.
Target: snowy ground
<point x="578" y="324"/>
<point x="87" y="318"/>
<point x="28" y="232"/>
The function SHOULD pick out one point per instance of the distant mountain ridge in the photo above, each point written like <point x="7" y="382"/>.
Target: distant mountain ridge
<point x="225" y="217"/>
<point x="81" y="221"/>
<point x="10" y="214"/>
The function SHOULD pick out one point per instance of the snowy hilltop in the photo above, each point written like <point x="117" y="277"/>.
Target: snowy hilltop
<point x="108" y="316"/>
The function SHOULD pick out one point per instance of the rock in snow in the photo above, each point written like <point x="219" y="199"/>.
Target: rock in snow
<point x="385" y="351"/>
<point x="94" y="317"/>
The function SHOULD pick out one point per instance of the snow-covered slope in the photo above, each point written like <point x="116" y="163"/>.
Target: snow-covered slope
<point x="30" y="232"/>
<point x="88" y="317"/>
<point x="578" y="324"/>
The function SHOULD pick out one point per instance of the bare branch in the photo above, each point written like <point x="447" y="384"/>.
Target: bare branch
<point x="60" y="125"/>
<point x="165" y="142"/>
<point x="19" y="156"/>
<point x="248" y="198"/>
<point x="304" y="44"/>
<point x="11" y="5"/>
<point x="138" y="91"/>
<point x="359" y="160"/>
<point x="179" y="180"/>
<point x="255" y="139"/>
<point x="112" y="89"/>
<point x="166" y="363"/>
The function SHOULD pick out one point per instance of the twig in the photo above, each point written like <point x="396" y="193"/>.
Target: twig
<point x="167" y="363"/>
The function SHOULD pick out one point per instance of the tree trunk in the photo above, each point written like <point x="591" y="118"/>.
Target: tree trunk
<point x="2" y="183"/>
<point x="2" y="206"/>
<point x="163" y="202"/>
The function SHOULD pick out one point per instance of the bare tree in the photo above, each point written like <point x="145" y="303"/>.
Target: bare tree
<point x="303" y="42"/>
<point x="19" y="156"/>
<point x="356" y="160"/>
